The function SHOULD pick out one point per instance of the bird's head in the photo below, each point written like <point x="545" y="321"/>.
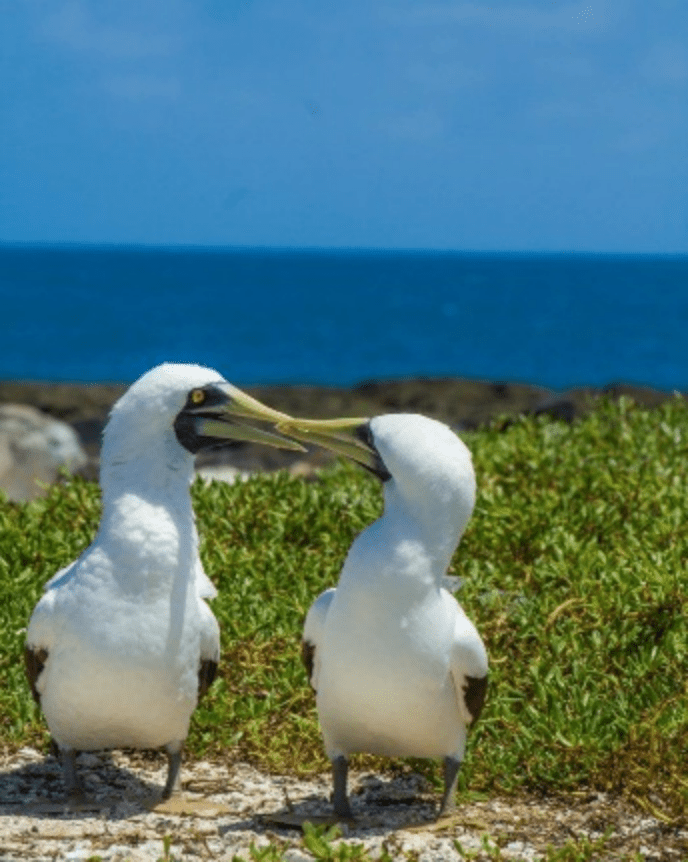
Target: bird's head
<point x="430" y="464"/>
<point x="175" y="410"/>
<point x="421" y="461"/>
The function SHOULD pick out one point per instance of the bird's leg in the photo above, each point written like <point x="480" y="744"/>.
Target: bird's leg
<point x="174" y="751"/>
<point x="341" y="805"/>
<point x="69" y="771"/>
<point x="451" y="771"/>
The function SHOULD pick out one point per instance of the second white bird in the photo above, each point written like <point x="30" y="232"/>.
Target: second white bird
<point x="397" y="666"/>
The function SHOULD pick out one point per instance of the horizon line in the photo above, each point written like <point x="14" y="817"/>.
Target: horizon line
<point x="349" y="250"/>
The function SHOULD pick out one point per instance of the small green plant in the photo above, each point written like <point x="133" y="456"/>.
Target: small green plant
<point x="489" y="848"/>
<point x="264" y="854"/>
<point x="579" y="850"/>
<point x="319" y="839"/>
<point x="582" y="849"/>
<point x="167" y="843"/>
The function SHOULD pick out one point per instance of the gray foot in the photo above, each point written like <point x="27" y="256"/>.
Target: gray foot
<point x="174" y="751"/>
<point x="73" y="787"/>
<point x="451" y="771"/>
<point x="341" y="805"/>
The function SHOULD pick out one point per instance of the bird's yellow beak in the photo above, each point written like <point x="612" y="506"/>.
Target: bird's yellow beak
<point x="234" y="415"/>
<point x="238" y="417"/>
<point x="348" y="437"/>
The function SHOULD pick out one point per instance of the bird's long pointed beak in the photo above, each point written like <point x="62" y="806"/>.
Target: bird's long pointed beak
<point x="239" y="417"/>
<point x="348" y="437"/>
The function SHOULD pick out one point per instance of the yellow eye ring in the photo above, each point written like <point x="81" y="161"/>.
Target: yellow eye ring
<point x="197" y="396"/>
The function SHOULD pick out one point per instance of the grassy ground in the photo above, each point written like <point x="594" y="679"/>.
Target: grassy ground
<point x="575" y="561"/>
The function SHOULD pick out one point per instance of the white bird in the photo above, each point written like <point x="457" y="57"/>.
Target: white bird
<point x="398" y="668"/>
<point x="122" y="644"/>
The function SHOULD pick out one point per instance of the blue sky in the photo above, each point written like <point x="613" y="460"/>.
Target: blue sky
<point x="451" y="125"/>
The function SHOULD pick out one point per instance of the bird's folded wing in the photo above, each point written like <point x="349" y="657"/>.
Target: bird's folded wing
<point x="204" y="587"/>
<point x="207" y="674"/>
<point x="34" y="661"/>
<point x="312" y="635"/>
<point x="469" y="665"/>
<point x="59" y="575"/>
<point x="209" y="648"/>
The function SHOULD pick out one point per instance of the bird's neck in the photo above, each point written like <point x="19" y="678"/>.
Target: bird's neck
<point x="148" y="523"/>
<point x="401" y="554"/>
<point x="162" y="474"/>
<point x="435" y="531"/>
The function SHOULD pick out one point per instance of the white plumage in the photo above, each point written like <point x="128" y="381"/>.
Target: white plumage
<point x="397" y="666"/>
<point x="122" y="643"/>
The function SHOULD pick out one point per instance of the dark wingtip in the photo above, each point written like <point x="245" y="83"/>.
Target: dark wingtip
<point x="207" y="674"/>
<point x="475" y="695"/>
<point x="308" y="650"/>
<point x="34" y="662"/>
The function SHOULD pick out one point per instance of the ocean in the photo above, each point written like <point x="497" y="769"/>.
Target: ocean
<point x="336" y="317"/>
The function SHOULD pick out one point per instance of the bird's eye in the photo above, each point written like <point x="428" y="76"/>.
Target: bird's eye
<point x="197" y="396"/>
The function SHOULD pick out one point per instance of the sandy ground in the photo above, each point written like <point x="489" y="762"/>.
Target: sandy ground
<point x="224" y="810"/>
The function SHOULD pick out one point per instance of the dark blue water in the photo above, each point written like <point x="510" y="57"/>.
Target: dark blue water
<point x="335" y="317"/>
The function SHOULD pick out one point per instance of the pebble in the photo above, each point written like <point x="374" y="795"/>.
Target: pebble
<point x="397" y="814"/>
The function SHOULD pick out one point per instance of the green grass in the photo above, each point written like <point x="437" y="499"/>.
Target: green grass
<point x="576" y="562"/>
<point x="325" y="845"/>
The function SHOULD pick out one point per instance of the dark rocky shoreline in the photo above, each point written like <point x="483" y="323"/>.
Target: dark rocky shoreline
<point x="462" y="403"/>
